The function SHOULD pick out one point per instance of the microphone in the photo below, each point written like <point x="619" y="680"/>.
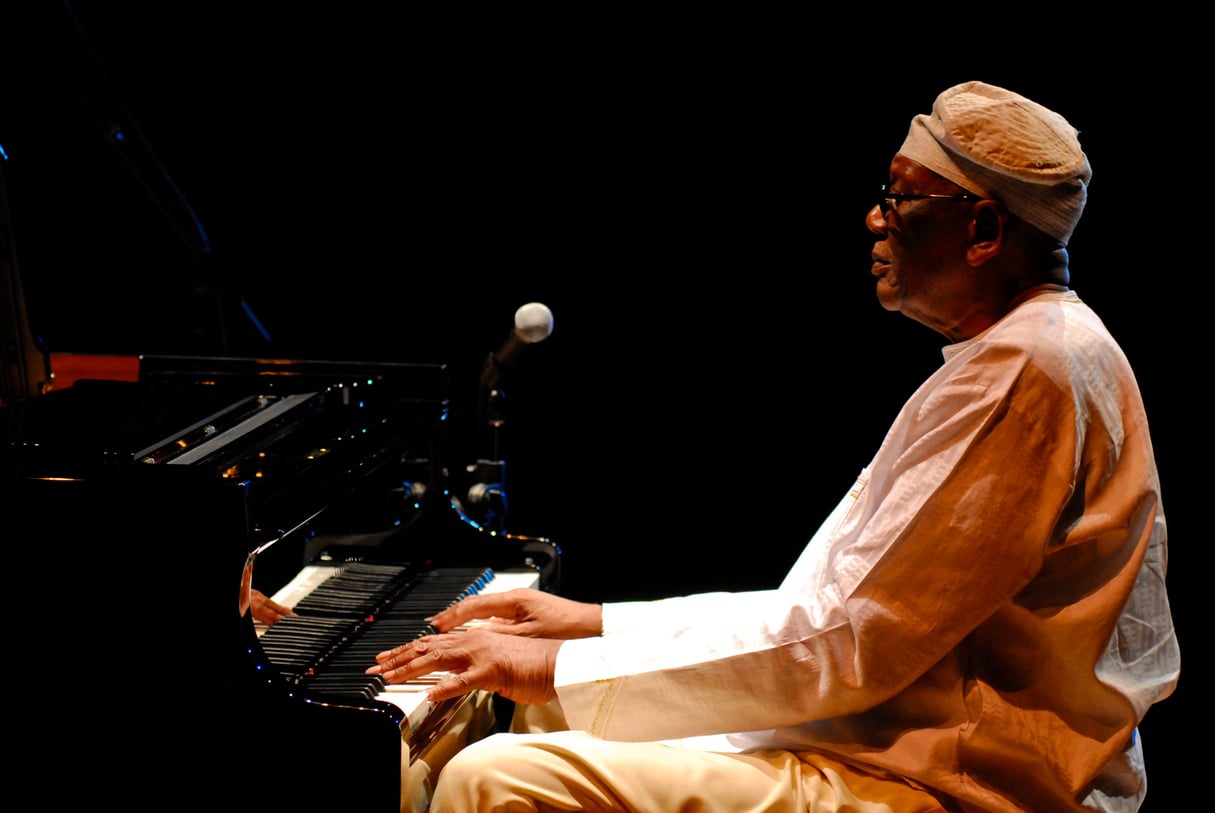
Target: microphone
<point x="533" y="323"/>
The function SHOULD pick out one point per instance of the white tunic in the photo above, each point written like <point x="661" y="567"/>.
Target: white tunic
<point x="984" y="612"/>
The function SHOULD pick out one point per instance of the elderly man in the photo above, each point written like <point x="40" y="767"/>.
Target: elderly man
<point x="979" y="625"/>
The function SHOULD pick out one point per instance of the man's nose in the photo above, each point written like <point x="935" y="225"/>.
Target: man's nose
<point x="875" y="220"/>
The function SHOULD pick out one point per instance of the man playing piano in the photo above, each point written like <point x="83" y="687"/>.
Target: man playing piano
<point x="981" y="623"/>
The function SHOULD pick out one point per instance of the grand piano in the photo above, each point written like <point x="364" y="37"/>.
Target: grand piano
<point x="143" y="509"/>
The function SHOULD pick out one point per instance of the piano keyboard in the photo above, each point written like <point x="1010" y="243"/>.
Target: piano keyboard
<point x="348" y="613"/>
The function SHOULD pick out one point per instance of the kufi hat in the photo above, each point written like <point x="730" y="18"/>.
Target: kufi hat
<point x="1001" y="145"/>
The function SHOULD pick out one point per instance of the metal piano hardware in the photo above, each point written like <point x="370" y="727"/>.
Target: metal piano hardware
<point x="151" y="507"/>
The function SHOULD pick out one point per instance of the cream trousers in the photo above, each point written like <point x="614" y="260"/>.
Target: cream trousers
<point x="572" y="770"/>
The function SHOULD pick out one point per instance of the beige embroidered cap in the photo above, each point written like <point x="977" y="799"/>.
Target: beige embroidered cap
<point x="999" y="144"/>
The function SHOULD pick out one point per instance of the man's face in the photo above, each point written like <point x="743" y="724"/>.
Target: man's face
<point x="920" y="257"/>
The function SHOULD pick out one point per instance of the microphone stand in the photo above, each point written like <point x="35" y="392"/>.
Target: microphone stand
<point x="488" y="491"/>
<point x="533" y="323"/>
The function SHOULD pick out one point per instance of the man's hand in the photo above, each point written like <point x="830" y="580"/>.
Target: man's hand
<point x="516" y="667"/>
<point x="524" y="611"/>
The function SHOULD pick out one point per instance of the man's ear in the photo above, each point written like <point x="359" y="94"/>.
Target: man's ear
<point x="988" y="228"/>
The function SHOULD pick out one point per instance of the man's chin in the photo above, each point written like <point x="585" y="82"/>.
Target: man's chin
<point x="889" y="296"/>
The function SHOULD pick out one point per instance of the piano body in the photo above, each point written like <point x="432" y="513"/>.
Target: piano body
<point x="139" y="514"/>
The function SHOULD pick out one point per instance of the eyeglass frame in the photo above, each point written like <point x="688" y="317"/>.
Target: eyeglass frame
<point x="890" y="199"/>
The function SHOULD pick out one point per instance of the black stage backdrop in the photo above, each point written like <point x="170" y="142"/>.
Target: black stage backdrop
<point x="687" y="196"/>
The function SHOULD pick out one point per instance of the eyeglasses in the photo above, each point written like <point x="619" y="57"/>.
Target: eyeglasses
<point x="889" y="199"/>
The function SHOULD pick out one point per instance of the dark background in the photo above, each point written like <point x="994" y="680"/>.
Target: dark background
<point x="686" y="195"/>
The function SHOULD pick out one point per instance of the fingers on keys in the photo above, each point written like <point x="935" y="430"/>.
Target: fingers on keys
<point x="408" y="661"/>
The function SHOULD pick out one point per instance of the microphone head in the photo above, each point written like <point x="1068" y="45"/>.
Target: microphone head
<point x="533" y="322"/>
